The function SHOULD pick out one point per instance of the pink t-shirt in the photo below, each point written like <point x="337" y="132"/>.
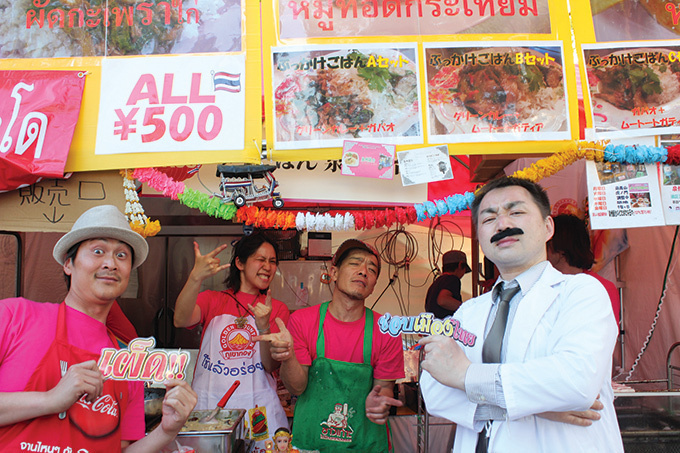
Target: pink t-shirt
<point x="345" y="341"/>
<point x="27" y="330"/>
<point x="216" y="303"/>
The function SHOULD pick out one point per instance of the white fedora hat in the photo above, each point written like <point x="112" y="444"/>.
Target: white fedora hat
<point x="104" y="221"/>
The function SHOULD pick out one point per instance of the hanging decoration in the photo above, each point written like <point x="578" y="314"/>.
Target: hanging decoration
<point x="162" y="181"/>
<point x="134" y="211"/>
<point x="595" y="151"/>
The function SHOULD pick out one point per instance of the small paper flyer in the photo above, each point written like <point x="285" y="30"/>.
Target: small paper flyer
<point x="370" y="160"/>
<point x="623" y="195"/>
<point x="423" y="165"/>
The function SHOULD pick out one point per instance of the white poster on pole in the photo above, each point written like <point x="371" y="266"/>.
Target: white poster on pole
<point x="669" y="181"/>
<point x="623" y="195"/>
<point x="172" y="103"/>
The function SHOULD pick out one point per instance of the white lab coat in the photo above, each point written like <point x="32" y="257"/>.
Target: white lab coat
<point x="558" y="358"/>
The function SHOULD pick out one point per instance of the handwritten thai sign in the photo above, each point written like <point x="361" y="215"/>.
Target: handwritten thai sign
<point x="328" y="18"/>
<point x="499" y="91"/>
<point x="425" y="324"/>
<point x="140" y="362"/>
<point x="74" y="28"/>
<point x="634" y="89"/>
<point x="177" y="103"/>
<point x="324" y="95"/>
<point x="36" y="129"/>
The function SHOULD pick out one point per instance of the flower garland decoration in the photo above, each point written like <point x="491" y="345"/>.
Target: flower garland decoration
<point x="176" y="190"/>
<point x="351" y="220"/>
<point x="594" y="151"/>
<point x="163" y="182"/>
<point x="134" y="211"/>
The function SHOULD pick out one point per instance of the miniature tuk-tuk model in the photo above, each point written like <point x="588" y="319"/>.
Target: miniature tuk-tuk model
<point x="238" y="184"/>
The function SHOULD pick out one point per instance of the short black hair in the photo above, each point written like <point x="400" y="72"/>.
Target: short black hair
<point x="572" y="239"/>
<point x="537" y="193"/>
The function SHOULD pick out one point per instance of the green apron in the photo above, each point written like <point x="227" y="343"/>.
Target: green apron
<point x="330" y="415"/>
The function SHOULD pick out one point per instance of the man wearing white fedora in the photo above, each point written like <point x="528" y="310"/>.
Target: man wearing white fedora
<point x="52" y="395"/>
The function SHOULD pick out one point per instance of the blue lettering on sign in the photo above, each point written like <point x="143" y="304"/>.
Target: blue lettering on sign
<point x="221" y="368"/>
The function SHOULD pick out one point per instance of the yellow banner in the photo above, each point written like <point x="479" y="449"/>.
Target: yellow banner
<point x="55" y="34"/>
<point x="503" y="83"/>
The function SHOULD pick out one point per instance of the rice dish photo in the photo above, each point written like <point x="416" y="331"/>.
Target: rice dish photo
<point x="496" y="97"/>
<point x="345" y="103"/>
<point x="636" y="85"/>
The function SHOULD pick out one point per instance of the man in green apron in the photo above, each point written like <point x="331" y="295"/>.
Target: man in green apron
<point x="339" y="363"/>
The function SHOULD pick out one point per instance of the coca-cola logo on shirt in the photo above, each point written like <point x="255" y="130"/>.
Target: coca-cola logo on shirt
<point x="95" y="419"/>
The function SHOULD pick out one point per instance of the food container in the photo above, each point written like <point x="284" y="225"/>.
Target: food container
<point x="221" y="437"/>
<point x="153" y="401"/>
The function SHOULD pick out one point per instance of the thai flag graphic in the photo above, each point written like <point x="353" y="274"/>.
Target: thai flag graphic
<point x="224" y="81"/>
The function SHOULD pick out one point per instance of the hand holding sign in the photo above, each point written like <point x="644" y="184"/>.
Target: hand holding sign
<point x="445" y="360"/>
<point x="80" y="379"/>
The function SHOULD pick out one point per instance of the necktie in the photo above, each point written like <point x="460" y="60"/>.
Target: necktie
<point x="491" y="351"/>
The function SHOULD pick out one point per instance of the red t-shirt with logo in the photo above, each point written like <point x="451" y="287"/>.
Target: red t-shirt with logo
<point x="27" y="329"/>
<point x="217" y="303"/>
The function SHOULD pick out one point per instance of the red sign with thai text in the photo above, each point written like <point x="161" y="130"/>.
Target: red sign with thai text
<point x="38" y="114"/>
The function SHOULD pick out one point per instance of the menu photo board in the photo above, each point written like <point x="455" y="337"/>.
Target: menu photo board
<point x="634" y="88"/>
<point x="498" y="91"/>
<point x="623" y="195"/>
<point x="325" y="94"/>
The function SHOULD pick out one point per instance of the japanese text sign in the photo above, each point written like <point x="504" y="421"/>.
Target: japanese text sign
<point x="325" y="95"/>
<point x="634" y="90"/>
<point x="509" y="91"/>
<point x="369" y="160"/>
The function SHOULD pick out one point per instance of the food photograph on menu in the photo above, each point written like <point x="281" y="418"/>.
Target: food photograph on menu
<point x="634" y="90"/>
<point x="324" y="95"/>
<point x="338" y="18"/>
<point x="504" y="91"/>
<point x="97" y="28"/>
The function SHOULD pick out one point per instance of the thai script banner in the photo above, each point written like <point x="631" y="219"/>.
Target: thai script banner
<point x="631" y="20"/>
<point x="178" y="103"/>
<point x="73" y="28"/>
<point x="38" y="114"/>
<point x="329" y="18"/>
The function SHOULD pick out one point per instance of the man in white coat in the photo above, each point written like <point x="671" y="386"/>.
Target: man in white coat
<point x="548" y="386"/>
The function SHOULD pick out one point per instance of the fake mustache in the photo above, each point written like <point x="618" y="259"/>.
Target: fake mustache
<point x="505" y="233"/>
